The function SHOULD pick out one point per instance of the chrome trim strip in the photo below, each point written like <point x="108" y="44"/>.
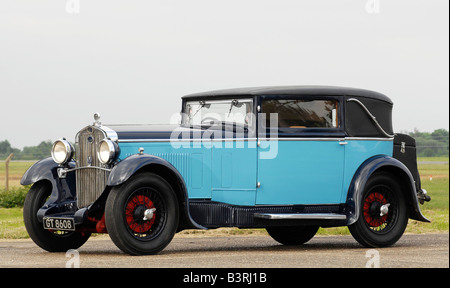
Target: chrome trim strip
<point x="299" y="216"/>
<point x="327" y="139"/>
<point x="225" y="101"/>
<point x="371" y="116"/>
<point x="152" y="140"/>
<point x="234" y="139"/>
<point x="368" y="139"/>
<point x="88" y="167"/>
<point x="303" y="139"/>
<point x="255" y="139"/>
<point x="185" y="140"/>
<point x="62" y="172"/>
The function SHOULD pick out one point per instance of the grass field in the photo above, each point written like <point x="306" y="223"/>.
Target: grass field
<point x="16" y="170"/>
<point x="434" y="177"/>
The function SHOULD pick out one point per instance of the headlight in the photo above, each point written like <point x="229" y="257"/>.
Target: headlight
<point x="62" y="151"/>
<point x="107" y="151"/>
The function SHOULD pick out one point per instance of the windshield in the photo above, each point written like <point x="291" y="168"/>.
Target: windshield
<point x="218" y="112"/>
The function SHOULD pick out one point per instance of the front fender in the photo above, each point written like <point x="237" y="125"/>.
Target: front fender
<point x="134" y="163"/>
<point x="42" y="170"/>
<point x="363" y="174"/>
<point x="63" y="189"/>
<point x="130" y="165"/>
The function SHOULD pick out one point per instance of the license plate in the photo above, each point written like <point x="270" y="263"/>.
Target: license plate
<point x="65" y="224"/>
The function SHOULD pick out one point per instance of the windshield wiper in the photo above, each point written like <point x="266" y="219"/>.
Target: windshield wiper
<point x="202" y="104"/>
<point x="233" y="103"/>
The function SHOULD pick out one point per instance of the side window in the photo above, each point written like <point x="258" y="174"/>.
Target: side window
<point x="301" y="113"/>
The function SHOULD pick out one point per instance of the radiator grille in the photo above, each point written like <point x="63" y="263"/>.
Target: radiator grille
<point x="90" y="182"/>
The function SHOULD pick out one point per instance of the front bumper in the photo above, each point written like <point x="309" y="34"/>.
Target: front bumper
<point x="63" y="211"/>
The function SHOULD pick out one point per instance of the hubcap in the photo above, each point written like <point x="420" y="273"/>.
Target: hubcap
<point x="148" y="214"/>
<point x="384" y="209"/>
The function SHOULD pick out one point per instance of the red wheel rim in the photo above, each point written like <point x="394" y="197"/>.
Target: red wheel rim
<point x="134" y="213"/>
<point x="371" y="209"/>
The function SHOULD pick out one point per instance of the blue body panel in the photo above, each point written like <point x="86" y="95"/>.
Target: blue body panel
<point x="223" y="171"/>
<point x="301" y="171"/>
<point x="234" y="166"/>
<point x="358" y="151"/>
<point x="194" y="164"/>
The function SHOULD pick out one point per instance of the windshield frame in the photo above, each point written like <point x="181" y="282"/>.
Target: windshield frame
<point x="248" y="129"/>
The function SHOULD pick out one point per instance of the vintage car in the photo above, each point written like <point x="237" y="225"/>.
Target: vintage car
<point x="287" y="159"/>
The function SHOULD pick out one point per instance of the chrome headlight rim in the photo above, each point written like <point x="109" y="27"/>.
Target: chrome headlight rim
<point x="62" y="146"/>
<point x="107" y="151"/>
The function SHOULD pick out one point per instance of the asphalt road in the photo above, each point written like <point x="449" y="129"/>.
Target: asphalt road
<point x="429" y="250"/>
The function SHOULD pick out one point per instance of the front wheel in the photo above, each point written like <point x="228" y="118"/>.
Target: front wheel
<point x="383" y="214"/>
<point x="50" y="240"/>
<point x="141" y="215"/>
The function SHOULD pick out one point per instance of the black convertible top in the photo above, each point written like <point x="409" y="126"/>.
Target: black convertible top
<point x="294" y="90"/>
<point x="367" y="113"/>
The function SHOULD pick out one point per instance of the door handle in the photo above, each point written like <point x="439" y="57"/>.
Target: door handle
<point x="343" y="143"/>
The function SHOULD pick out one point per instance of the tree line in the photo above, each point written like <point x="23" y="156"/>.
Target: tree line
<point x="432" y="144"/>
<point x="38" y="152"/>
<point x="429" y="144"/>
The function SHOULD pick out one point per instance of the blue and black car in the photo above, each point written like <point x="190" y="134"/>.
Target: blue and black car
<point x="287" y="159"/>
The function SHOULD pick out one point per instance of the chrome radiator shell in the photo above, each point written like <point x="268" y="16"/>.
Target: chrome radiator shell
<point x="90" y="181"/>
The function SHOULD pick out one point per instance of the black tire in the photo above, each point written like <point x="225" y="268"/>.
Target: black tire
<point x="372" y="229"/>
<point x="51" y="241"/>
<point x="124" y="214"/>
<point x="292" y="235"/>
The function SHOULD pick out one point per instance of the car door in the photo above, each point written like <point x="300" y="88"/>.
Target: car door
<point x="301" y="150"/>
<point x="234" y="156"/>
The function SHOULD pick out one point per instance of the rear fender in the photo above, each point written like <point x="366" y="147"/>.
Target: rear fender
<point x="398" y="170"/>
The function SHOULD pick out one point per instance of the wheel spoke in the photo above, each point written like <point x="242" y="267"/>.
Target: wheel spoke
<point x="138" y="203"/>
<point x="379" y="209"/>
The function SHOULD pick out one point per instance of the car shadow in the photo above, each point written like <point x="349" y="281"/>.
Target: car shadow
<point x="197" y="245"/>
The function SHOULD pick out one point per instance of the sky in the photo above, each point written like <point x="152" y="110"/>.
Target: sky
<point x="63" y="60"/>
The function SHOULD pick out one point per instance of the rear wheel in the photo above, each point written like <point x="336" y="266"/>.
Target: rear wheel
<point x="292" y="235"/>
<point x="141" y="215"/>
<point x="383" y="215"/>
<point x="50" y="240"/>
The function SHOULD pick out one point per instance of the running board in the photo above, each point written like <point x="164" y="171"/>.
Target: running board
<point x="300" y="216"/>
<point x="211" y="214"/>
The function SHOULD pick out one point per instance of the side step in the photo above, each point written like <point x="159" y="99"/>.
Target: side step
<point x="301" y="216"/>
<point x="211" y="214"/>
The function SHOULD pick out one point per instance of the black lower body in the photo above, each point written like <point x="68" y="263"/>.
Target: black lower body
<point x="212" y="214"/>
